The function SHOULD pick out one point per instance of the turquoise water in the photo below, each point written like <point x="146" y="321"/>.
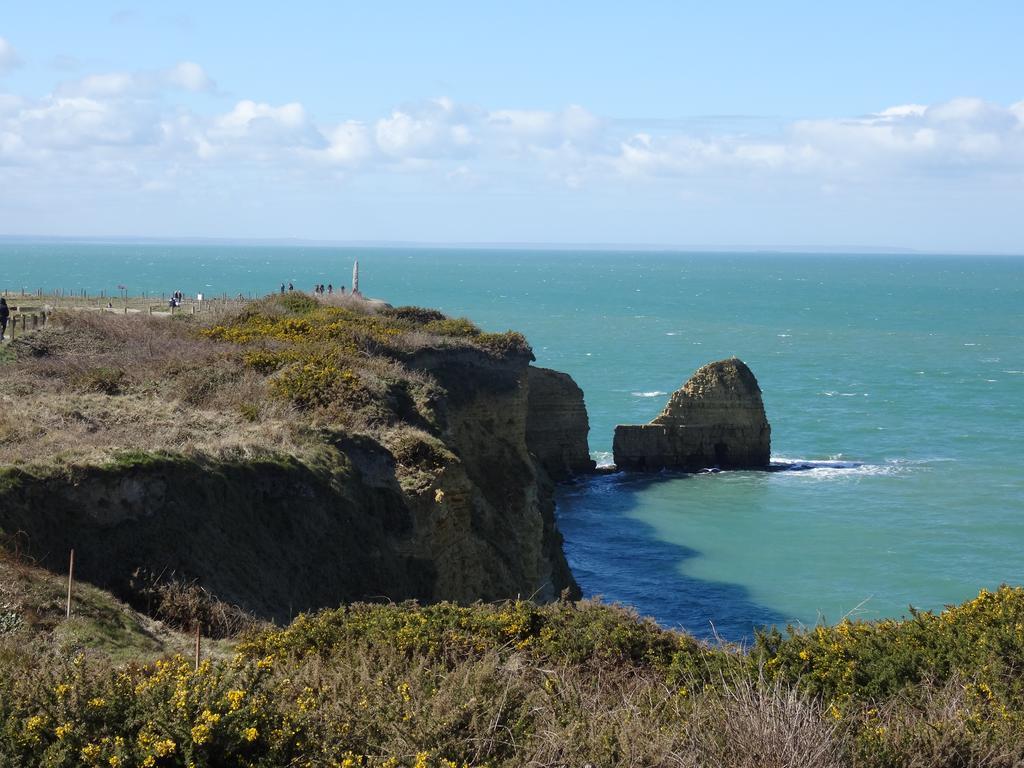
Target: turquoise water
<point x="901" y="376"/>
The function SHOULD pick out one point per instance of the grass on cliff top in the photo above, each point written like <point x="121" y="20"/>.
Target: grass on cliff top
<point x="260" y="379"/>
<point x="517" y="684"/>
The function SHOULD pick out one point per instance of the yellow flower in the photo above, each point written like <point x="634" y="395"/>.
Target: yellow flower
<point x="234" y="698"/>
<point x="164" y="747"/>
<point x="201" y="734"/>
<point x="207" y="720"/>
<point x="89" y="752"/>
<point x="62" y="730"/>
<point x="250" y="734"/>
<point x="115" y="762"/>
<point x="62" y="689"/>
<point x="97" y="702"/>
<point x="422" y="760"/>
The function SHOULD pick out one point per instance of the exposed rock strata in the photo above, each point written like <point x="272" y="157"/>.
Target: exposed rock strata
<point x="463" y="513"/>
<point x="557" y="424"/>
<point x="716" y="419"/>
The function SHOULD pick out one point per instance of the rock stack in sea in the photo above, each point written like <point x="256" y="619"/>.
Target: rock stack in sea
<point x="716" y="419"/>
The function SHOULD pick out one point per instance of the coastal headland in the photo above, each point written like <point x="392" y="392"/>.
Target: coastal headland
<point x="291" y="453"/>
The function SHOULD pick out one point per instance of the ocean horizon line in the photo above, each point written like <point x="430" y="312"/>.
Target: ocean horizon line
<point x="795" y="249"/>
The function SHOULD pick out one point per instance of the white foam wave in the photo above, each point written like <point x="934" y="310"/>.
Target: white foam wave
<point x="654" y="393"/>
<point x="836" y="467"/>
<point x="811" y="469"/>
<point x="603" y="458"/>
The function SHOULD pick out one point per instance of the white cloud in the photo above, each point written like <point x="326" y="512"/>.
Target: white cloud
<point x="426" y="131"/>
<point x="189" y="76"/>
<point x="138" y="128"/>
<point x="185" y="75"/>
<point x="349" y="144"/>
<point x="969" y="135"/>
<point x="259" y="124"/>
<point x="9" y="58"/>
<point x="573" y="124"/>
<point x="82" y="123"/>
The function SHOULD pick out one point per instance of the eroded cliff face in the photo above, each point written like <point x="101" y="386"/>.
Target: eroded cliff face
<point x="461" y="512"/>
<point x="716" y="419"/>
<point x="557" y="424"/>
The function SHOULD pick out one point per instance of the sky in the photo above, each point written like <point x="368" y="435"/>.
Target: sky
<point x="869" y="124"/>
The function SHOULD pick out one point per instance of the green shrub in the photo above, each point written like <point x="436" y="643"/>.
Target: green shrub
<point x="458" y="327"/>
<point x="508" y="344"/>
<point x="296" y="303"/>
<point x="980" y="640"/>
<point x="414" y="315"/>
<point x="513" y="684"/>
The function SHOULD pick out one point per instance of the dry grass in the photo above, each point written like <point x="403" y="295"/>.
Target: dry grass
<point x="93" y="384"/>
<point x="90" y="428"/>
<point x="184" y="605"/>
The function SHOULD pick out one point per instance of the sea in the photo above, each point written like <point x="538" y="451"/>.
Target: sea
<point x="894" y="385"/>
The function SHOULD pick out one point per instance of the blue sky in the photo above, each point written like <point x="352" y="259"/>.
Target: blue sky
<point x="658" y="123"/>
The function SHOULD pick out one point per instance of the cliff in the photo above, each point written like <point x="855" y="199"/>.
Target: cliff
<point x="394" y="466"/>
<point x="557" y="424"/>
<point x="716" y="419"/>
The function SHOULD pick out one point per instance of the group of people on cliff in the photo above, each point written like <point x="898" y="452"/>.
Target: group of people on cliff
<point x="319" y="289"/>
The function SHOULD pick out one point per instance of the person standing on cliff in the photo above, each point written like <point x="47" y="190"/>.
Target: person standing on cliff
<point x="5" y="316"/>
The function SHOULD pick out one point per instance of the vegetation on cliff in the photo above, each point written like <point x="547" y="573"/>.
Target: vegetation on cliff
<point x="517" y="684"/>
<point x="94" y="384"/>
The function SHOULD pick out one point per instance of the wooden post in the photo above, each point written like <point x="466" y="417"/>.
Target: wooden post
<point x="71" y="579"/>
<point x="197" y="645"/>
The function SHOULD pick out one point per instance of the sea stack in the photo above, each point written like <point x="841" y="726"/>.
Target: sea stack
<point x="717" y="419"/>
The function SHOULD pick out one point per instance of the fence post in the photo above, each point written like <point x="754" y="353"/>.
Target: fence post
<point x="71" y="578"/>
